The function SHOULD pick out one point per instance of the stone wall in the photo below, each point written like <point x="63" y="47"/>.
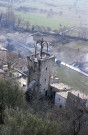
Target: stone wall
<point x="46" y="69"/>
<point x="75" y="103"/>
<point x="40" y="70"/>
<point x="33" y="69"/>
<point x="60" y="101"/>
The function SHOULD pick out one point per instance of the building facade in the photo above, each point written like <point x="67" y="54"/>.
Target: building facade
<point x="40" y="70"/>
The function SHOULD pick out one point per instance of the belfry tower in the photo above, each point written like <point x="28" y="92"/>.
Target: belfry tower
<point x="40" y="67"/>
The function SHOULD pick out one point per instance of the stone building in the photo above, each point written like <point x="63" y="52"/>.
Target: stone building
<point x="76" y="100"/>
<point x="60" y="92"/>
<point x="3" y="55"/>
<point x="40" y="67"/>
<point x="69" y="99"/>
<point x="40" y="70"/>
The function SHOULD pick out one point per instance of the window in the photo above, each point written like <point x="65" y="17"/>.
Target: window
<point x="46" y="68"/>
<point x="45" y="80"/>
<point x="46" y="93"/>
<point x="60" y="106"/>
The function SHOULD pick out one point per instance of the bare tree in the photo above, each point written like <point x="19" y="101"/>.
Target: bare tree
<point x="19" y="21"/>
<point x="11" y="59"/>
<point x="27" y="25"/>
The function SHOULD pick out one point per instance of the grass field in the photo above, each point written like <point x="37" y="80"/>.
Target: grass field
<point x="72" y="78"/>
<point x="80" y="46"/>
<point x="54" y="24"/>
<point x="71" y="15"/>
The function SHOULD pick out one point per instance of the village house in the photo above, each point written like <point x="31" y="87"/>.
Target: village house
<point x="18" y="66"/>
<point x="20" y="77"/>
<point x="3" y="55"/>
<point x="2" y="73"/>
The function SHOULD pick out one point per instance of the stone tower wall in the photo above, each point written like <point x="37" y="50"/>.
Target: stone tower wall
<point x="41" y="71"/>
<point x="46" y="68"/>
<point x="33" y="71"/>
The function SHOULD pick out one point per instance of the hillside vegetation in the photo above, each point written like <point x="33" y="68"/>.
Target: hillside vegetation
<point x="15" y="116"/>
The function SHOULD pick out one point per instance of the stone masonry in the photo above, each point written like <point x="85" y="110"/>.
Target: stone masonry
<point x="40" y="70"/>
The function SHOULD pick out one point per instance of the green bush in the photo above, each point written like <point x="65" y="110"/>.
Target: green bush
<point x="18" y="122"/>
<point x="18" y="119"/>
<point x="11" y="94"/>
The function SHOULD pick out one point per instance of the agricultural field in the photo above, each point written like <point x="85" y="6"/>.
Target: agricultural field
<point x="80" y="45"/>
<point x="39" y="20"/>
<point x="53" y="13"/>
